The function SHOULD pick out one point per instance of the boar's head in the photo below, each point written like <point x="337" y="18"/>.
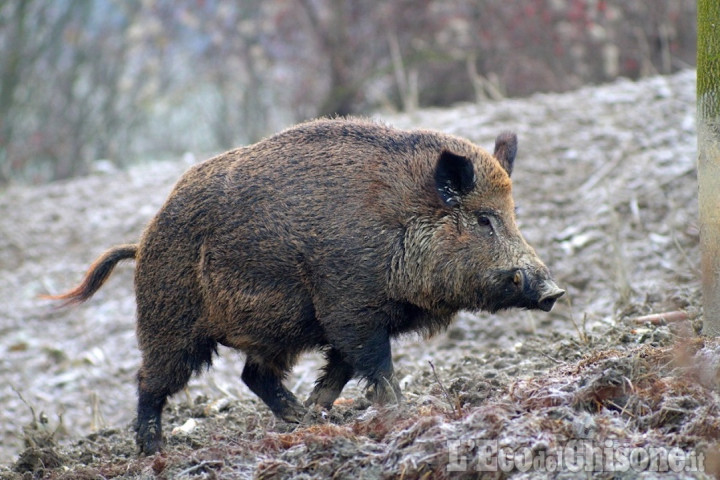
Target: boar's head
<point x="470" y="253"/>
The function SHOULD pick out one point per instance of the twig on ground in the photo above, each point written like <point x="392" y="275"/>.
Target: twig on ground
<point x="662" y="318"/>
<point x="32" y="410"/>
<point x="559" y="362"/>
<point x="203" y="464"/>
<point x="584" y="338"/>
<point x="454" y="406"/>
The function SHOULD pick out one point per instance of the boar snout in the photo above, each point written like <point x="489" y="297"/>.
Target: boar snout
<point x="551" y="292"/>
<point x="538" y="290"/>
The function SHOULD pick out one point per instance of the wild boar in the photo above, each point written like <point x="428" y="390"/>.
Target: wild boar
<point x="335" y="235"/>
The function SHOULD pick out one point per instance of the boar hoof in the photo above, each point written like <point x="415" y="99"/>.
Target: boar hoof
<point x="322" y="397"/>
<point x="385" y="391"/>
<point x="149" y="441"/>
<point x="293" y="413"/>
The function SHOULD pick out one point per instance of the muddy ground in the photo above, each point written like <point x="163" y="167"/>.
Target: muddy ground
<point x="606" y="187"/>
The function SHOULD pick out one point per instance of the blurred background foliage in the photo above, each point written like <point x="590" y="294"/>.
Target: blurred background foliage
<point x="127" y="80"/>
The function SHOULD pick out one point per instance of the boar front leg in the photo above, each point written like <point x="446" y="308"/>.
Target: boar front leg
<point x="337" y="373"/>
<point x="365" y="345"/>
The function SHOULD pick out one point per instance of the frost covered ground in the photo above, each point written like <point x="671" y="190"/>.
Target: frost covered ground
<point x="606" y="189"/>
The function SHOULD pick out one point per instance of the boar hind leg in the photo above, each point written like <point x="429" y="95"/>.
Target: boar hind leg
<point x="164" y="371"/>
<point x="337" y="373"/>
<point x="149" y="422"/>
<point x="265" y="381"/>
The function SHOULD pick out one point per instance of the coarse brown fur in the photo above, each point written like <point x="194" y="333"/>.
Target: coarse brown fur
<point x="334" y="234"/>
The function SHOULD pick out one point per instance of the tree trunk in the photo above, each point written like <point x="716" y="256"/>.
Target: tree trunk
<point x="708" y="115"/>
<point x="335" y="42"/>
<point x="10" y="78"/>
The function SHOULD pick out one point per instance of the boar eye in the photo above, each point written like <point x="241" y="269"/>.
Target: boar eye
<point x="485" y="222"/>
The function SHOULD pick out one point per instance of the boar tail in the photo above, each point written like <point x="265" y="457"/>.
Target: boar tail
<point x="96" y="275"/>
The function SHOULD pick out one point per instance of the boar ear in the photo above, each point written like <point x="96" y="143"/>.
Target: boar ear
<point x="505" y="150"/>
<point x="454" y="177"/>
